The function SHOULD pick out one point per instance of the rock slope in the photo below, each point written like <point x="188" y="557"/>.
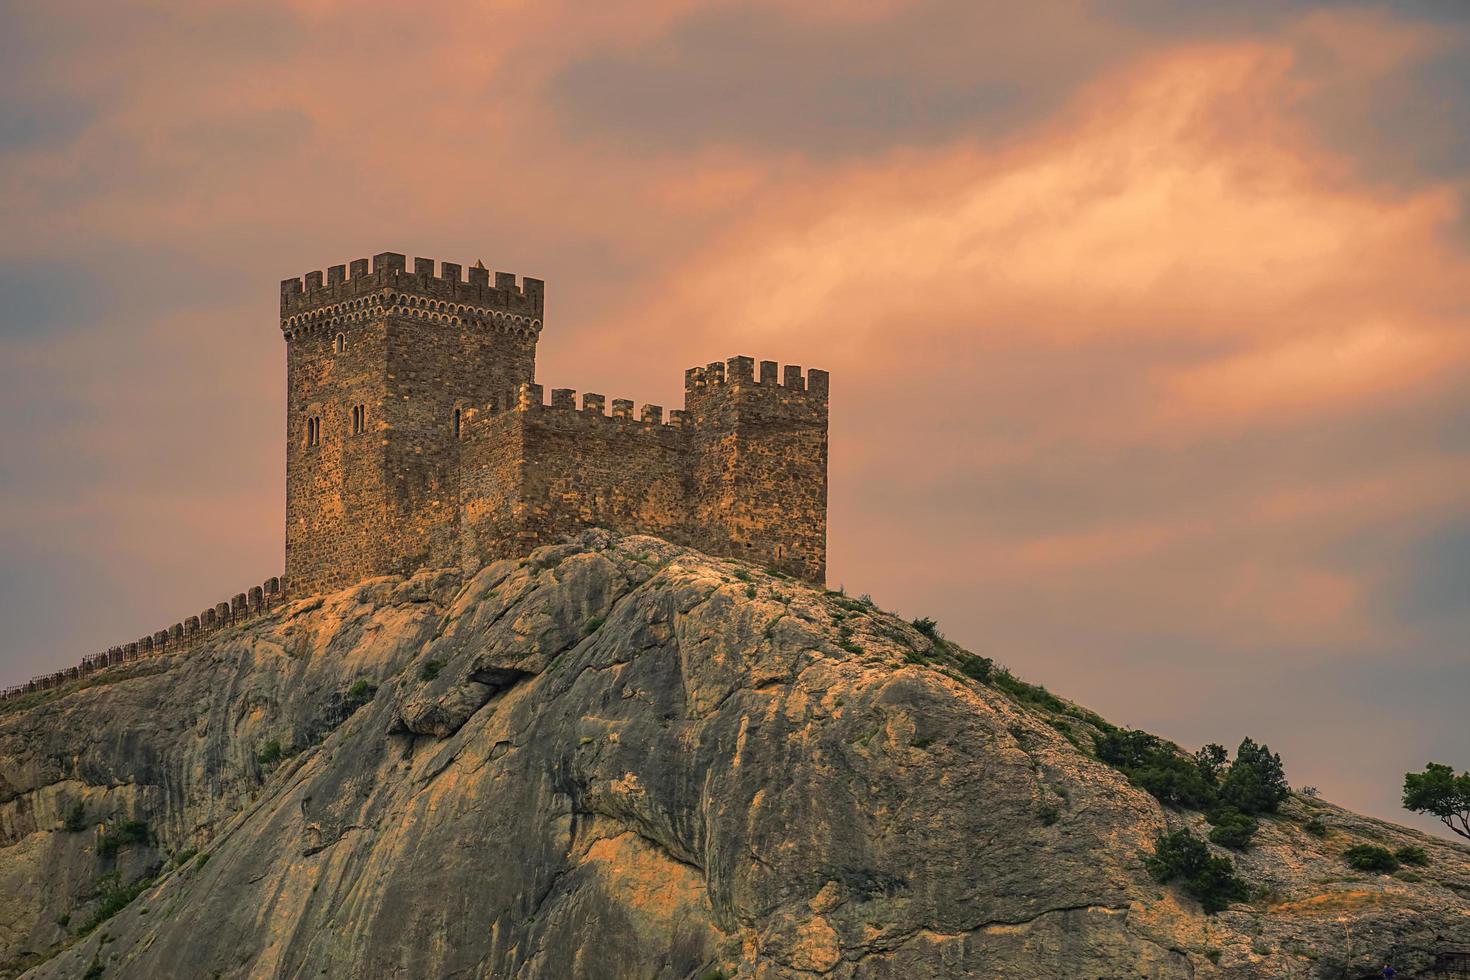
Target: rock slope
<point x="619" y="758"/>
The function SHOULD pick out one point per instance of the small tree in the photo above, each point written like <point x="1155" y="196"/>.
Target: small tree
<point x="76" y="818"/>
<point x="1211" y="760"/>
<point x="1232" y="828"/>
<point x="1441" y="793"/>
<point x="927" y="626"/>
<point x="1256" y="783"/>
<point x="1184" y="857"/>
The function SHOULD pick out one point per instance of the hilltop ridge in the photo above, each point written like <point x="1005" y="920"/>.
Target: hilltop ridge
<point x="622" y="758"/>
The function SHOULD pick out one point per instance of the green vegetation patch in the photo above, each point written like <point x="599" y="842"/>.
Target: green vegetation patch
<point x="76" y="819"/>
<point x="1232" y="828"/>
<point x="1158" y="767"/>
<point x="1412" y="854"/>
<point x="128" y="833"/>
<point x="1253" y="784"/>
<point x="1183" y="857"/>
<point x="270" y="753"/>
<point x="113" y="897"/>
<point x="360" y="693"/>
<point x="1371" y="857"/>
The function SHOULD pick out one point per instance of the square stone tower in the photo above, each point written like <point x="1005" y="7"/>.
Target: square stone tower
<point x="381" y="365"/>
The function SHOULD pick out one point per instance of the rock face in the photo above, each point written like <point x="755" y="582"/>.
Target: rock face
<point x="618" y="758"/>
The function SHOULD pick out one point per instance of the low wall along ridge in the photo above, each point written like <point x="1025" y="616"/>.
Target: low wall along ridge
<point x="182" y="636"/>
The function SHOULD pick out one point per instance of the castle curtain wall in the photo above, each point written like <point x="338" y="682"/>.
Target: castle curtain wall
<point x="542" y="472"/>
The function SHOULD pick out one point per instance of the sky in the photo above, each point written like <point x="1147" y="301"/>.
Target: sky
<point x="1148" y="322"/>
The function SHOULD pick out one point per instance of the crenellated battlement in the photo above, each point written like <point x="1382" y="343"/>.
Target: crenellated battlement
<point x="741" y="373"/>
<point x="181" y="636"/>
<point x="594" y="405"/>
<point x="355" y="292"/>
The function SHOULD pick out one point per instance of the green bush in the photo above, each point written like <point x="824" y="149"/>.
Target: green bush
<point x="113" y="898"/>
<point x="76" y="818"/>
<point x="927" y="626"/>
<point x="1232" y="828"/>
<point x="119" y="836"/>
<point x="429" y="669"/>
<point x="1183" y="857"/>
<point x="1316" y="827"/>
<point x="1032" y="694"/>
<point x="1156" y="766"/>
<point x="1255" y="781"/>
<point x="977" y="668"/>
<point x="360" y="693"/>
<point x="1211" y="760"/>
<point x="1412" y="854"/>
<point x="270" y="753"/>
<point x="1371" y="857"/>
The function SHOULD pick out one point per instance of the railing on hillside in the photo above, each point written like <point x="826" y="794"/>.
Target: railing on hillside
<point x="180" y="637"/>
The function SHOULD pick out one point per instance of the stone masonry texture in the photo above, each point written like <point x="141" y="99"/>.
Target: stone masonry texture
<point x="417" y="437"/>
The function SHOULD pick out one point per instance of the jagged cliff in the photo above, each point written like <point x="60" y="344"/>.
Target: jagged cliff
<point x="618" y="758"/>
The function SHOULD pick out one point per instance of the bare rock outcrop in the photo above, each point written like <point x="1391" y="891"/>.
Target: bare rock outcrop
<point x="619" y="758"/>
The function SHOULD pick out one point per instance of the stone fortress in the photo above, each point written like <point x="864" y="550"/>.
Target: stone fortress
<point x="417" y="437"/>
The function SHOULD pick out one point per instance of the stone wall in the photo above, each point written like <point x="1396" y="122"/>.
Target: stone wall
<point x="541" y="472"/>
<point x="741" y="471"/>
<point x="183" y="635"/>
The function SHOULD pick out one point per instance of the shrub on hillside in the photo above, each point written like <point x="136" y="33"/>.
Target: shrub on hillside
<point x="113" y="897"/>
<point x="360" y="693"/>
<point x="1255" y="781"/>
<point x="1211" y="760"/>
<point x="978" y="668"/>
<point x="122" y="835"/>
<point x="1371" y="857"/>
<point x="270" y="753"/>
<point x="1183" y="857"/>
<point x="1024" y="692"/>
<point x="1157" y="766"/>
<point x="926" y="626"/>
<point x="1232" y="828"/>
<point x="76" y="818"/>
<point x="1412" y="854"/>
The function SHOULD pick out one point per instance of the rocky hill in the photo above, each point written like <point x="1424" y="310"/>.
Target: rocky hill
<point x="618" y="758"/>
